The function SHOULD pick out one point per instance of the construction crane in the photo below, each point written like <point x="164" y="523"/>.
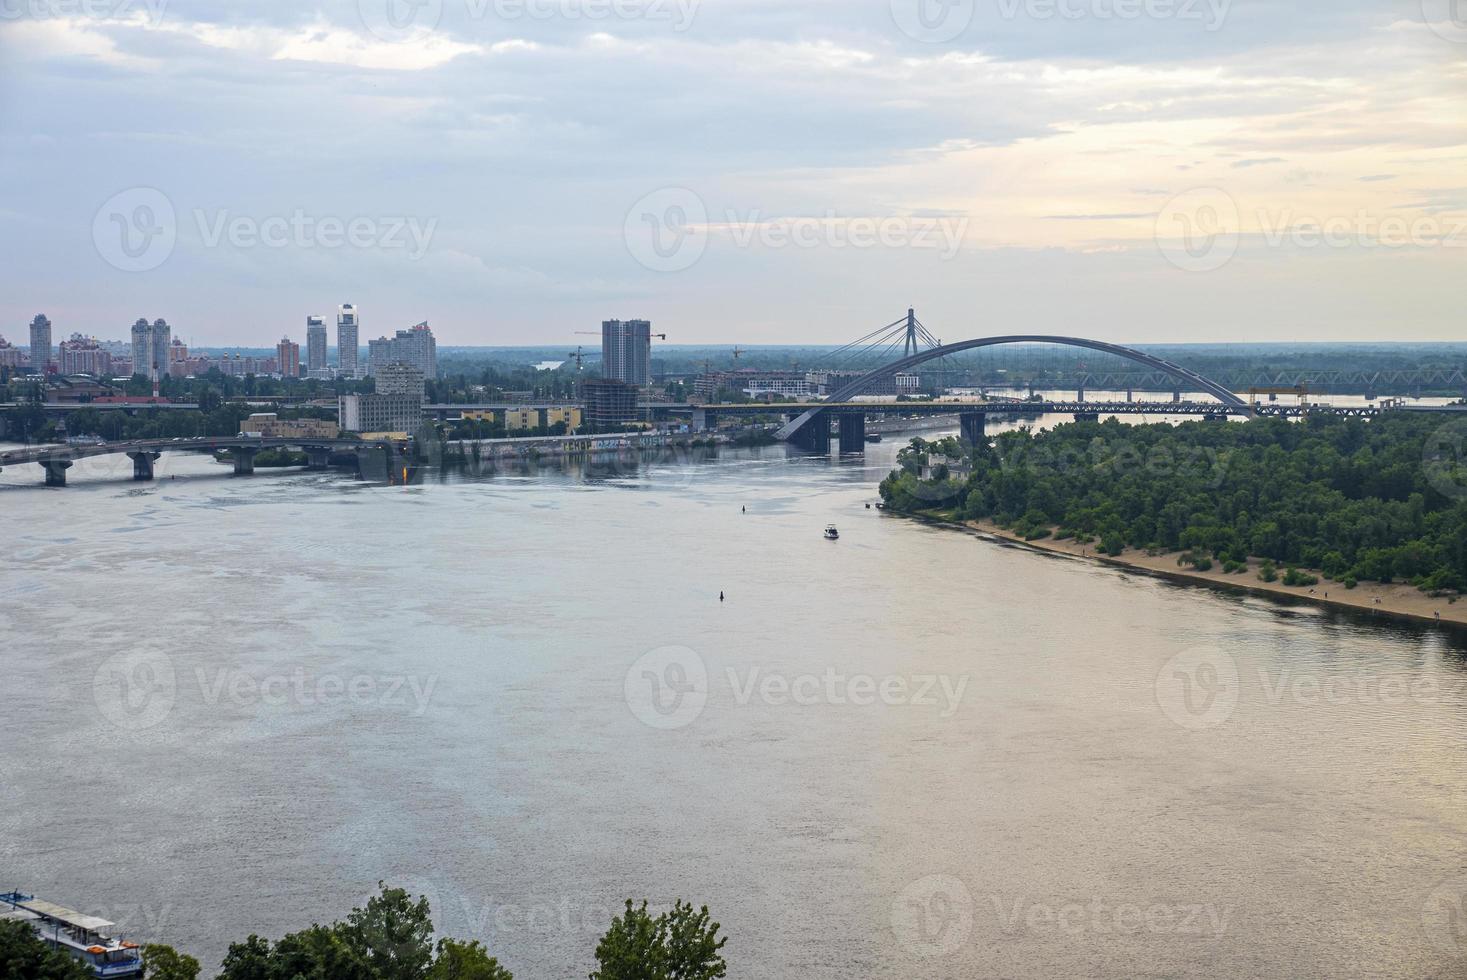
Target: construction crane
<point x="579" y="358"/>
<point x="1273" y="392"/>
<point x="597" y="333"/>
<point x="738" y="352"/>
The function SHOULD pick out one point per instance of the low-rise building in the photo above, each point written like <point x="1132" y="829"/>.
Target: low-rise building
<point x="570" y="415"/>
<point x="270" y="426"/>
<point x="521" y="418"/>
<point x="826" y="383"/>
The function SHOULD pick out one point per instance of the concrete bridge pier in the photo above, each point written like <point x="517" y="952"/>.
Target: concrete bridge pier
<point x="244" y="460"/>
<point x="853" y="432"/>
<point x="317" y="457"/>
<point x="1079" y="394"/>
<point x="384" y="464"/>
<point x="971" y="424"/>
<point x="142" y="464"/>
<point x="815" y="436"/>
<point x="704" y="420"/>
<point x="55" y="471"/>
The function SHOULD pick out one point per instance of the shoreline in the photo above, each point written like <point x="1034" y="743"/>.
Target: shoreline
<point x="1396" y="600"/>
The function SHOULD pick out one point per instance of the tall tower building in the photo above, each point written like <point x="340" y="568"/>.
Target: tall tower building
<point x="346" y="339"/>
<point x="626" y="351"/>
<point x="288" y="358"/>
<point x="150" y="344"/>
<point x="162" y="335"/>
<point x="40" y="343"/>
<point x="142" y="347"/>
<point x="315" y="345"/>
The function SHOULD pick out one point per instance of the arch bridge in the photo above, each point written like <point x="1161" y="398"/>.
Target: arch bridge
<point x="811" y="429"/>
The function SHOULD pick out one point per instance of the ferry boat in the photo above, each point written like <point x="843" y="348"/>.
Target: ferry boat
<point x="831" y="533"/>
<point x="84" y="937"/>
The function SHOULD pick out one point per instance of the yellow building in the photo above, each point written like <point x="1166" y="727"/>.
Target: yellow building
<point x="521" y="418"/>
<point x="570" y="416"/>
<point x="479" y="414"/>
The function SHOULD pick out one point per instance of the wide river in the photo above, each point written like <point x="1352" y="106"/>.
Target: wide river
<point x="231" y="706"/>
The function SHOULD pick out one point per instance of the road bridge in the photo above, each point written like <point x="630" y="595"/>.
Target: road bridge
<point x="58" y="458"/>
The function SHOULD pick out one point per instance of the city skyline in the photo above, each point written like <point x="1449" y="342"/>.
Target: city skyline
<point x="1003" y="168"/>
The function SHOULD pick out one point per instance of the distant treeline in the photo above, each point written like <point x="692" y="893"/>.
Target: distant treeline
<point x="1383" y="500"/>
<point x="392" y="938"/>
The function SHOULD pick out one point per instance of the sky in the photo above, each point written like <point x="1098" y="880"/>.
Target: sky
<point x="736" y="171"/>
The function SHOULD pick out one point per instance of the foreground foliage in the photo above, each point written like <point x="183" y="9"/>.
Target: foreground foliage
<point x="1381" y="500"/>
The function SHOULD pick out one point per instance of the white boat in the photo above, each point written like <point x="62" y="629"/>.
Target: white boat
<point x="84" y="937"/>
<point x="831" y="533"/>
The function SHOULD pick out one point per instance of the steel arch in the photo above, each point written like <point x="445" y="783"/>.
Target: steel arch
<point x="861" y="384"/>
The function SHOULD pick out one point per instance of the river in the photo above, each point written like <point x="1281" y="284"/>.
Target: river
<point x="232" y="705"/>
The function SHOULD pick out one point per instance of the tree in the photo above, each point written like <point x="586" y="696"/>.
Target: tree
<point x="465" y="961"/>
<point x="676" y="945"/>
<point x="631" y="948"/>
<point x="166" y="963"/>
<point x="24" y="956"/>
<point x="692" y="943"/>
<point x="394" y="933"/>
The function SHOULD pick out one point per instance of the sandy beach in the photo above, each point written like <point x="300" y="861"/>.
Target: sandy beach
<point x="1396" y="599"/>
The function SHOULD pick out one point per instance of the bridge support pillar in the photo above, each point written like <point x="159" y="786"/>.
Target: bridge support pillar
<point x="384" y="464"/>
<point x="972" y="424"/>
<point x="1079" y="394"/>
<point x="1130" y="395"/>
<point x="853" y="432"/>
<point x="142" y="464"/>
<point x="55" y="471"/>
<point x="704" y="420"/>
<point x="815" y="436"/>
<point x="317" y="458"/>
<point x="1177" y="395"/>
<point x="244" y="460"/>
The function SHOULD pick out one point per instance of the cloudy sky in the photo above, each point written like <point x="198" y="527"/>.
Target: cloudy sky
<point x="740" y="171"/>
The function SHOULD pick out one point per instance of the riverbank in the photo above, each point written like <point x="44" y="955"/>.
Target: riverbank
<point x="1405" y="601"/>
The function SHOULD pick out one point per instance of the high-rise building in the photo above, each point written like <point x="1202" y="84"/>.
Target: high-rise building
<point x="150" y="343"/>
<point x="40" y="343"/>
<point x="315" y="345"/>
<point x="288" y="358"/>
<point x="400" y="379"/>
<point x="626" y="351"/>
<point x="414" y="346"/>
<point x="84" y="355"/>
<point x="142" y="347"/>
<point x="379" y="355"/>
<point x="162" y="334"/>
<point x="346" y="340"/>
<point x="9" y="354"/>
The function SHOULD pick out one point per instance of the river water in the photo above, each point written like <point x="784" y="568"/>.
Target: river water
<point x="231" y="706"/>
